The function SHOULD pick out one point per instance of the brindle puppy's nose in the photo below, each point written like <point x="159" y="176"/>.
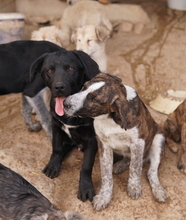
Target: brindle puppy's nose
<point x="59" y="87"/>
<point x="66" y="104"/>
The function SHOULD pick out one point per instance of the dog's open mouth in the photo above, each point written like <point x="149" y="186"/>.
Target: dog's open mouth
<point x="59" y="108"/>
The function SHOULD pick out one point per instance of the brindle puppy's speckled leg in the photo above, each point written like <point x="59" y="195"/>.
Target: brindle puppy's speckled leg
<point x="155" y="156"/>
<point x="135" y="169"/>
<point x="102" y="200"/>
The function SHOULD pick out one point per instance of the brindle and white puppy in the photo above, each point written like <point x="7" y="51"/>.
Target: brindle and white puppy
<point x="124" y="125"/>
<point x="175" y="133"/>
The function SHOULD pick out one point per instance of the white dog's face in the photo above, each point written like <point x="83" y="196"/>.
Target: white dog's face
<point x="90" y="39"/>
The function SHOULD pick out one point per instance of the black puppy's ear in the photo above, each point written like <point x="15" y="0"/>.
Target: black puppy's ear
<point x="90" y="66"/>
<point x="36" y="66"/>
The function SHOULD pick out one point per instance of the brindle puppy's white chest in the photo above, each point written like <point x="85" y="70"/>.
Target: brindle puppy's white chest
<point x="113" y="136"/>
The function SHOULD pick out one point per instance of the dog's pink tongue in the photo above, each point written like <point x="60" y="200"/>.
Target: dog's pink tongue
<point x="59" y="108"/>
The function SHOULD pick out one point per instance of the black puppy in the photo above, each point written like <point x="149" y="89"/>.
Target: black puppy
<point x="15" y="61"/>
<point x="19" y="200"/>
<point x="65" y="73"/>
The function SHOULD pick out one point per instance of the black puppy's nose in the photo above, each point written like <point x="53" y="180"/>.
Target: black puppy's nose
<point x="59" y="87"/>
<point x="66" y="104"/>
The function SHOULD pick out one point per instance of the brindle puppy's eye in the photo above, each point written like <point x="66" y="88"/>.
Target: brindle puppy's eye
<point x="71" y="68"/>
<point x="93" y="98"/>
<point x="49" y="71"/>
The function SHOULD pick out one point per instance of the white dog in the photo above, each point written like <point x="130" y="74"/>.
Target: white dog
<point x="91" y="40"/>
<point x="83" y="13"/>
<point x="50" y="33"/>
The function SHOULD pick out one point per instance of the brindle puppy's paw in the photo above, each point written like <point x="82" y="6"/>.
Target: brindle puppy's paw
<point x="172" y="145"/>
<point x="182" y="167"/>
<point x="159" y="193"/>
<point x="100" y="202"/>
<point x="121" y="166"/>
<point x="134" y="190"/>
<point x="53" y="167"/>
<point x="182" y="164"/>
<point x="34" y="127"/>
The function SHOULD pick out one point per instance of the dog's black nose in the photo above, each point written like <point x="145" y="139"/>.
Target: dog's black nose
<point x="66" y="104"/>
<point x="59" y="87"/>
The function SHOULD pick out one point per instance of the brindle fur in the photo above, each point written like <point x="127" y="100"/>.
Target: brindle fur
<point x="124" y="125"/>
<point x="175" y="133"/>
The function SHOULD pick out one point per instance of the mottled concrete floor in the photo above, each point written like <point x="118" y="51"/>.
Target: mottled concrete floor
<point x="151" y="62"/>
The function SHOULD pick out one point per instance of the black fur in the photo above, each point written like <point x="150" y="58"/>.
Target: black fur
<point x="15" y="61"/>
<point x="65" y="73"/>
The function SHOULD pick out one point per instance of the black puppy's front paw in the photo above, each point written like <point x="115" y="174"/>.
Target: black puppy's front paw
<point x="52" y="169"/>
<point x="86" y="191"/>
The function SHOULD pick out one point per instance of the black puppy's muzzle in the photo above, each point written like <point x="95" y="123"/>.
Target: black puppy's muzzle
<point x="59" y="87"/>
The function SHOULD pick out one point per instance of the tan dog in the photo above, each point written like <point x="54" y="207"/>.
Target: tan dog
<point x="91" y="40"/>
<point x="83" y="13"/>
<point x="50" y="33"/>
<point x="175" y="133"/>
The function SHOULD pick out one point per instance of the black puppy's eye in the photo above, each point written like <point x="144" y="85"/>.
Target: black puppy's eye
<point x="49" y="71"/>
<point x="71" y="68"/>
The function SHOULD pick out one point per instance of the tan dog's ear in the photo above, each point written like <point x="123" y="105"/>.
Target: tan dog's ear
<point x="73" y="36"/>
<point x="102" y="33"/>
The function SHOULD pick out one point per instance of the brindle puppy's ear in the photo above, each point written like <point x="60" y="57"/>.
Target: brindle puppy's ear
<point x="36" y="66"/>
<point x="91" y="68"/>
<point x="126" y="111"/>
<point x="114" y="77"/>
<point x="123" y="113"/>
